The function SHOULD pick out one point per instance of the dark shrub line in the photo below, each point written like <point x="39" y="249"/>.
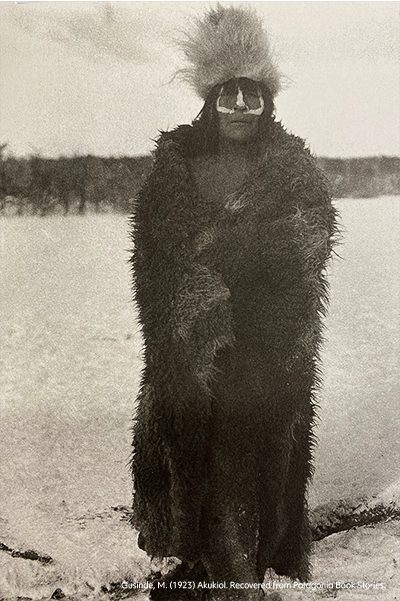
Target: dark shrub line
<point x="79" y="184"/>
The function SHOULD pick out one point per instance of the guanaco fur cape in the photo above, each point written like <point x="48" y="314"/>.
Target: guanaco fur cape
<point x="206" y="277"/>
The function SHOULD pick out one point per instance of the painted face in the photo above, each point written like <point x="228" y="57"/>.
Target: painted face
<point x="240" y="95"/>
<point x="240" y="106"/>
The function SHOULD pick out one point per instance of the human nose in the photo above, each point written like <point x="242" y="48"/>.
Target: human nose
<point x="240" y="103"/>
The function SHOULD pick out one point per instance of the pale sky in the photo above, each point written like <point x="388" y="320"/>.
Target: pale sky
<point x="93" y="77"/>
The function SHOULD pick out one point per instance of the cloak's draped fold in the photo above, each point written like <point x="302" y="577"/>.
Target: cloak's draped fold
<point x="205" y="279"/>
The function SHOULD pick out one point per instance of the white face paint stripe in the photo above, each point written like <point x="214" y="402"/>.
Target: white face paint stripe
<point x="260" y="110"/>
<point x="223" y="109"/>
<point x="241" y="104"/>
<point x="240" y="100"/>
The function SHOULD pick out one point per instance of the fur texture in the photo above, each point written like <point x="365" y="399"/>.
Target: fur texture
<point x="229" y="42"/>
<point x="243" y="281"/>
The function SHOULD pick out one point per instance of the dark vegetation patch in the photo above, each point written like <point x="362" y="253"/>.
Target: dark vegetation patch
<point x="80" y="184"/>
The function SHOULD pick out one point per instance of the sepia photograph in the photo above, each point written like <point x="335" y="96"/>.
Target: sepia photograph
<point x="200" y="300"/>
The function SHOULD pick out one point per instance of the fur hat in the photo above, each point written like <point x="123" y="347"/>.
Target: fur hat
<point x="228" y="42"/>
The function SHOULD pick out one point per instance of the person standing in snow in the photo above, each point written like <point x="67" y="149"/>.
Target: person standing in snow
<point x="232" y="232"/>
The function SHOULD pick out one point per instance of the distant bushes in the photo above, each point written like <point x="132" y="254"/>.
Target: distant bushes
<point x="363" y="177"/>
<point x="39" y="186"/>
<point x="80" y="184"/>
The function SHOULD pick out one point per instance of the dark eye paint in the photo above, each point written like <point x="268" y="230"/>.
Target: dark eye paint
<point x="249" y="93"/>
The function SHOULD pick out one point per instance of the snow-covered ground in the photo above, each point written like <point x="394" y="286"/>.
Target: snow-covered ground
<point x="69" y="372"/>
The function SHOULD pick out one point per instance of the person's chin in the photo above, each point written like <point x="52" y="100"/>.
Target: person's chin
<point x="240" y="132"/>
<point x="240" y="136"/>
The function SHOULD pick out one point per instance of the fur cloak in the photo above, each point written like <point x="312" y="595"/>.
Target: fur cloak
<point x="246" y="275"/>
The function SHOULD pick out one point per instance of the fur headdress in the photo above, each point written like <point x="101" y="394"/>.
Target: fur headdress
<point x="228" y="42"/>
